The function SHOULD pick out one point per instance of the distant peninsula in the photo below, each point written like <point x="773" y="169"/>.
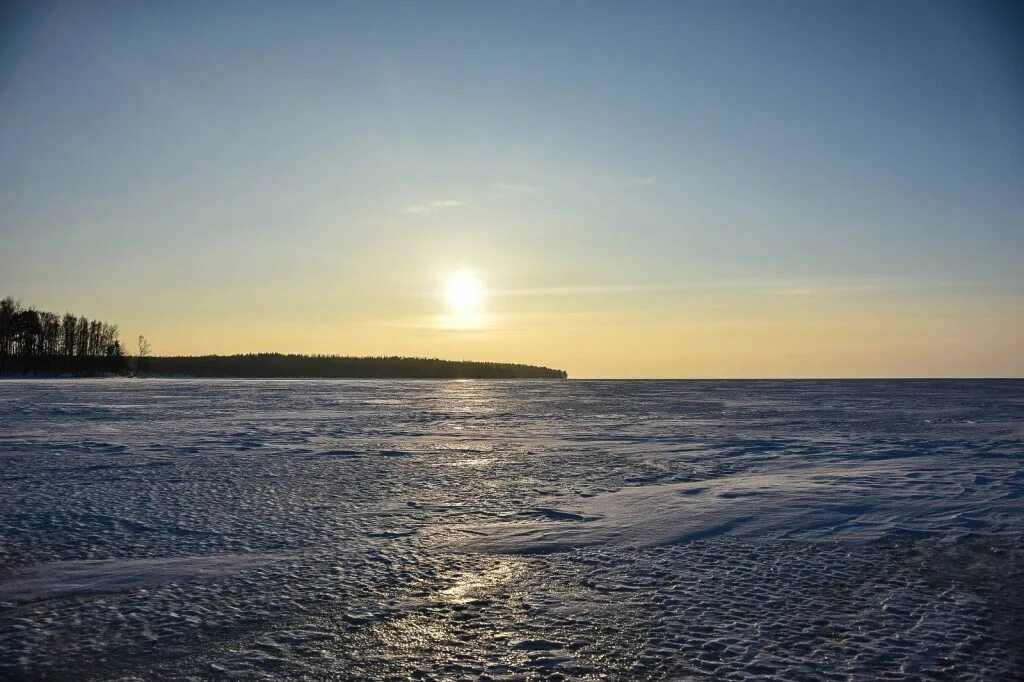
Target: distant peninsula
<point x="282" y="366"/>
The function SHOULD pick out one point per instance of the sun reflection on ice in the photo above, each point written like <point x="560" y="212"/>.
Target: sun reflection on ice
<point x="474" y="585"/>
<point x="441" y="626"/>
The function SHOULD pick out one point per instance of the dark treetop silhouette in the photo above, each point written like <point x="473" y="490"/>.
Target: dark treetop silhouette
<point x="38" y="343"/>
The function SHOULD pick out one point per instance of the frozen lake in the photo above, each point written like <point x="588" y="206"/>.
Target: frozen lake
<point x="366" y="529"/>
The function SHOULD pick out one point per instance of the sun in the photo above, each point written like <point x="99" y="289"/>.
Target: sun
<point x="464" y="292"/>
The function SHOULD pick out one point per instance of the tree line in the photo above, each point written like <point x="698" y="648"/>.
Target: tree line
<point x="44" y="343"/>
<point x="277" y="365"/>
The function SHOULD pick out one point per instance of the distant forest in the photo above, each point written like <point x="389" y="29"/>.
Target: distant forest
<point x="276" y="365"/>
<point x="37" y="342"/>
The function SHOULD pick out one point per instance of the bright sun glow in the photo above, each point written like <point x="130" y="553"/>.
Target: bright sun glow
<point x="464" y="292"/>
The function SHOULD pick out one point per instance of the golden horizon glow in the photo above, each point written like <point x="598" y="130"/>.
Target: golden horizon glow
<point x="710" y="334"/>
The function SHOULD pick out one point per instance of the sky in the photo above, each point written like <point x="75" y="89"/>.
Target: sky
<point x="641" y="189"/>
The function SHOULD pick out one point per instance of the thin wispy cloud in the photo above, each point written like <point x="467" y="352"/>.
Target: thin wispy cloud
<point x="882" y="286"/>
<point x="643" y="180"/>
<point x="517" y="188"/>
<point x="432" y="206"/>
<point x="766" y="287"/>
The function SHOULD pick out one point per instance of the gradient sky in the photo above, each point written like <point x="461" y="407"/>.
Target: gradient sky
<point x="648" y="189"/>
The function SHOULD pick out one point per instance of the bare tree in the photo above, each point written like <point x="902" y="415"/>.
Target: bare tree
<point x="144" y="352"/>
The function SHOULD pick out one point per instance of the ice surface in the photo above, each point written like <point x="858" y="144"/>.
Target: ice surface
<point x="365" y="529"/>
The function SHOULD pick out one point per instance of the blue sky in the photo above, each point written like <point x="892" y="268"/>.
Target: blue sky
<point x="169" y="164"/>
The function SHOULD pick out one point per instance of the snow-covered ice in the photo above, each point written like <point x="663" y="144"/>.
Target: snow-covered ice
<point x="454" y="529"/>
<point x="58" y="579"/>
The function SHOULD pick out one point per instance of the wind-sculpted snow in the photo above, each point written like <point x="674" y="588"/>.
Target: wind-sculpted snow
<point x="156" y="529"/>
<point x="854" y="502"/>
